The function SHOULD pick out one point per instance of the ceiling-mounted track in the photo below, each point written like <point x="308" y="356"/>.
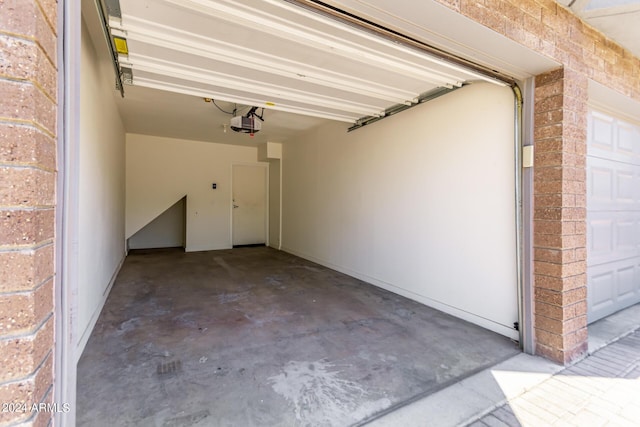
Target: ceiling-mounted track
<point x="109" y="39"/>
<point x="425" y="97"/>
<point x="397" y="37"/>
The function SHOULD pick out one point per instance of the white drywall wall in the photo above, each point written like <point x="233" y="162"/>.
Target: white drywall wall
<point x="422" y="203"/>
<point x="166" y="231"/>
<point x="101" y="247"/>
<point x="274" y="203"/>
<point x="161" y="171"/>
<point x="272" y="152"/>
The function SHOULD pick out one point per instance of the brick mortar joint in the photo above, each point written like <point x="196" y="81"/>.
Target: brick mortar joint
<point x="34" y="83"/>
<point x="561" y="335"/>
<point x="31" y="127"/>
<point x="563" y="277"/>
<point x="558" y="167"/>
<point x="557" y="193"/>
<point x="558" y="249"/>
<point x="32" y="376"/>
<point x="32" y="40"/>
<point x="32" y="123"/>
<point x="28" y="247"/>
<point x="51" y="25"/>
<point x="28" y="335"/>
<point x="35" y="414"/>
<point x="548" y="138"/>
<point x="29" y="291"/>
<point x="26" y="166"/>
<point x="37" y="208"/>
<point x="563" y="320"/>
<point x="29" y="40"/>
<point x="549" y="123"/>
<point x="25" y="208"/>
<point x="546" y="261"/>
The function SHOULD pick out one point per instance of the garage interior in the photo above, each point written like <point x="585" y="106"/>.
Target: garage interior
<point x="414" y="215"/>
<point x="256" y="337"/>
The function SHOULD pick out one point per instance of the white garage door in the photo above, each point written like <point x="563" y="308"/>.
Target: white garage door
<point x="613" y="214"/>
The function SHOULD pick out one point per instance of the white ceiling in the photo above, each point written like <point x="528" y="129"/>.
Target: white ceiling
<point x="174" y="115"/>
<point x="617" y="19"/>
<point x="302" y="67"/>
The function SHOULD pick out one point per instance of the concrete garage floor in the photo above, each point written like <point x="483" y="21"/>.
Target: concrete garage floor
<point x="257" y="337"/>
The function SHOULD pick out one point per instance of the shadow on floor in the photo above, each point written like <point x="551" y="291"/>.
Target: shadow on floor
<point x="257" y="337"/>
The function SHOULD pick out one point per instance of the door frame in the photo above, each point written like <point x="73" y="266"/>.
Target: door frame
<point x="265" y="166"/>
<point x="66" y="284"/>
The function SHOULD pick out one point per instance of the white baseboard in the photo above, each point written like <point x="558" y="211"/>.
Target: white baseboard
<point x="84" y="336"/>
<point x="423" y="299"/>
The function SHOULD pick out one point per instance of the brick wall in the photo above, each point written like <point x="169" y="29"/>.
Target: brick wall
<point x="554" y="31"/>
<point x="28" y="114"/>
<point x="560" y="215"/>
<point x="560" y="129"/>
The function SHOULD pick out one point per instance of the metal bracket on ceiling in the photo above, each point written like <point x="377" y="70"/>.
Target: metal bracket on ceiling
<point x="127" y="75"/>
<point x="100" y="6"/>
<point x="427" y="96"/>
<point x="113" y="8"/>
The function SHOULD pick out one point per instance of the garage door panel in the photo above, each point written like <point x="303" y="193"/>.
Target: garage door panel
<point x="628" y="142"/>
<point x="612" y="185"/>
<point x="625" y="191"/>
<point x="601" y="290"/>
<point x="636" y="188"/>
<point x="627" y="283"/>
<point x="613" y="139"/>
<point x="601" y="129"/>
<point x="612" y="285"/>
<point x="600" y="183"/>
<point x="613" y="215"/>
<point x="625" y="235"/>
<point x="612" y="236"/>
<point x="600" y="239"/>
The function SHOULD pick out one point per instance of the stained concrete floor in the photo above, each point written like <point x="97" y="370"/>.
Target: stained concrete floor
<point x="257" y="337"/>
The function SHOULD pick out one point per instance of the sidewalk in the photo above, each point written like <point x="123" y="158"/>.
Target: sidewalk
<point x="601" y="390"/>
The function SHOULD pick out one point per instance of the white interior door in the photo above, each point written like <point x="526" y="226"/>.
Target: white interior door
<point x="249" y="204"/>
<point x="613" y="215"/>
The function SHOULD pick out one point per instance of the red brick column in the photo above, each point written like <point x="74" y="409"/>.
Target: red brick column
<point x="560" y="130"/>
<point x="28" y="115"/>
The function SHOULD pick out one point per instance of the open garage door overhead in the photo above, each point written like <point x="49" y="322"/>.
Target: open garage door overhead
<point x="275" y="54"/>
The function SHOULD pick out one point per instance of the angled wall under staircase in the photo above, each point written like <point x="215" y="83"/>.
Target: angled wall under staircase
<point x="167" y="230"/>
<point x="161" y="171"/>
